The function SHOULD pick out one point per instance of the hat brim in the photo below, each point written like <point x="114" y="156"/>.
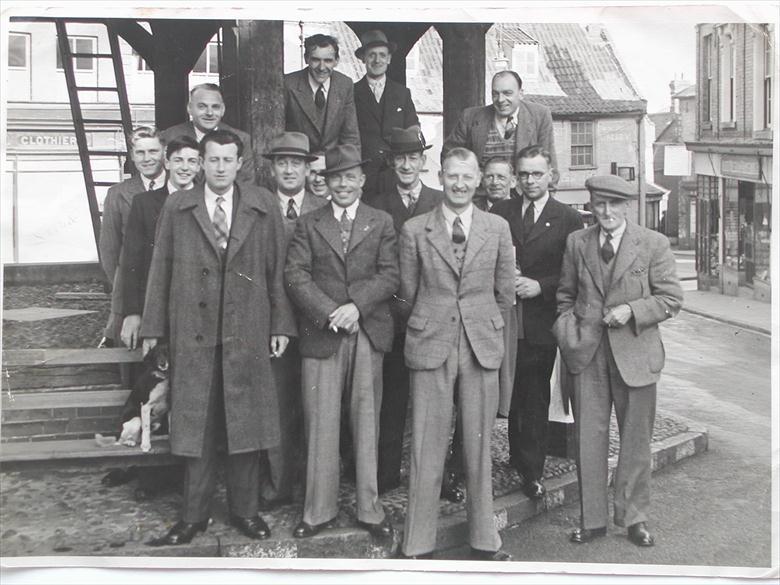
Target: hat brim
<point x="405" y="150"/>
<point x="294" y="153"/>
<point x="342" y="167"/>
<point x="614" y="195"/>
<point x="360" y="51"/>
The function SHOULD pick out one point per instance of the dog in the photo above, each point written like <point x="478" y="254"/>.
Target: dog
<point x="151" y="388"/>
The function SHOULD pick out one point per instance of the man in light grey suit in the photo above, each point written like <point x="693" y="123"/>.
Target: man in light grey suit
<point x="318" y="100"/>
<point x="617" y="283"/>
<point x="457" y="277"/>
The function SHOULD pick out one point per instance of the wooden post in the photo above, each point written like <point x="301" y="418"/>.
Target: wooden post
<point x="229" y="79"/>
<point x="463" y="68"/>
<point x="261" y="87"/>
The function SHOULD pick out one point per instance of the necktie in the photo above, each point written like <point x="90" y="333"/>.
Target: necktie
<point x="291" y="213"/>
<point x="377" y="93"/>
<point x="412" y="204"/>
<point x="458" y="235"/>
<point x="528" y="219"/>
<point x="220" y="225"/>
<point x="151" y="185"/>
<point x="345" y="225"/>
<point x="319" y="98"/>
<point x="509" y="129"/>
<point x="607" y="251"/>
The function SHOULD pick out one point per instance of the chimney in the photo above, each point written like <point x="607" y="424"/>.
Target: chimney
<point x="675" y="86"/>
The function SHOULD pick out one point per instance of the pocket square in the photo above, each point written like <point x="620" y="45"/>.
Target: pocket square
<point x="399" y="109"/>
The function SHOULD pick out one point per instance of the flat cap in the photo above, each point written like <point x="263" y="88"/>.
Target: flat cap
<point x="611" y="186"/>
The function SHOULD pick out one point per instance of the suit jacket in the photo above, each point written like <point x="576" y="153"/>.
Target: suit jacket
<point x="534" y="126"/>
<point x="539" y="256"/>
<point x="440" y="297"/>
<point x="310" y="203"/>
<point x="391" y="202"/>
<point x="643" y="277"/>
<point x="138" y="248"/>
<point x="341" y="125"/>
<point x="320" y="277"/>
<point x="247" y="171"/>
<point x="377" y="120"/>
<point x="200" y="301"/>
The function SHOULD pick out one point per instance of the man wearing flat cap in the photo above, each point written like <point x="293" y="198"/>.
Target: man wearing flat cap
<point x="382" y="104"/>
<point x="281" y="466"/>
<point x="341" y="272"/>
<point x="617" y="283"/>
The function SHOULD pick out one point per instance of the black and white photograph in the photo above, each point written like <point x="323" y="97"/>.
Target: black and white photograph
<point x="392" y="291"/>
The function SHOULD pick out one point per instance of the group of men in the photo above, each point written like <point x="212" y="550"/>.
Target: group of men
<point x="303" y="315"/>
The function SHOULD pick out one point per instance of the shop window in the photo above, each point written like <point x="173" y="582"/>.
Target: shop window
<point x="708" y="228"/>
<point x="762" y="229"/>
<point x="80" y="45"/>
<point x="208" y="62"/>
<point x="18" y="50"/>
<point x="582" y="144"/>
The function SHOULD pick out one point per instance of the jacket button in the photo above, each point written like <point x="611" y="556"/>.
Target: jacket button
<point x="202" y="305"/>
<point x="205" y="272"/>
<point x="198" y="337"/>
<point x="453" y="319"/>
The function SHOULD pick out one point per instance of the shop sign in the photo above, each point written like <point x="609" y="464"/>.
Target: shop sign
<point x="740" y="167"/>
<point x="44" y="140"/>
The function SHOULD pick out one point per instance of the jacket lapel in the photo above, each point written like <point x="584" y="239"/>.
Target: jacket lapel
<point x="249" y="205"/>
<point x="477" y="236"/>
<point x="360" y="227"/>
<point x="134" y="186"/>
<point x="426" y="202"/>
<point x="590" y="252"/>
<point x="481" y="128"/>
<point x="334" y="104"/>
<point x="524" y="128"/>
<point x="363" y="94"/>
<point x="546" y="219"/>
<point x="305" y="98"/>
<point x="196" y="201"/>
<point x="439" y="239"/>
<point x="309" y="202"/>
<point x="329" y="229"/>
<point x="626" y="254"/>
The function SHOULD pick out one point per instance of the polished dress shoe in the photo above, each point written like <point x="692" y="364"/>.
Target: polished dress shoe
<point x="450" y="490"/>
<point x="583" y="535"/>
<point x="253" y="527"/>
<point x="640" y="535"/>
<point x="266" y="505"/>
<point x="383" y="529"/>
<point x="421" y="557"/>
<point x="534" y="489"/>
<point x="306" y="530"/>
<point x="490" y="555"/>
<point x="181" y="533"/>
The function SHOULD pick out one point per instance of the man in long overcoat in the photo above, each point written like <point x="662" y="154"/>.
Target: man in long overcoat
<point x="215" y="290"/>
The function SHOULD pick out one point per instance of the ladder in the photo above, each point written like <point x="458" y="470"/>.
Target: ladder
<point x="84" y="124"/>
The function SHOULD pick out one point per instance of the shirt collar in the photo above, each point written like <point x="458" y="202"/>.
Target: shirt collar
<point x="538" y="203"/>
<point x="414" y="192"/>
<point x="298" y="198"/>
<point x="378" y="81"/>
<point x="465" y="216"/>
<point x="159" y="180"/>
<point x="173" y="188"/>
<point x="339" y="211"/>
<point x="314" y="85"/>
<point x="210" y="195"/>
<point x="616" y="235"/>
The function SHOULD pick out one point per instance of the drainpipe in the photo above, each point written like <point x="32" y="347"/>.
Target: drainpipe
<point x="641" y="171"/>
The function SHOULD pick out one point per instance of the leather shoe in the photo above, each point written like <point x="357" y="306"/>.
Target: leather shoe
<point x="583" y="535"/>
<point x="181" y="533"/>
<point x="640" y="535"/>
<point x="450" y="490"/>
<point x="421" y="557"/>
<point x="306" y="530"/>
<point x="383" y="529"/>
<point x="490" y="555"/>
<point x="254" y="527"/>
<point x="266" y="505"/>
<point x="534" y="489"/>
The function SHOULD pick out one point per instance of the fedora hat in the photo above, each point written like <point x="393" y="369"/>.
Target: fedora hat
<point x="373" y="38"/>
<point x="403" y="140"/>
<point x="341" y="158"/>
<point x="290" y="144"/>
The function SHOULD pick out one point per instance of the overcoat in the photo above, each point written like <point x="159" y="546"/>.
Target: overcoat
<point x="183" y="303"/>
<point x="643" y="277"/>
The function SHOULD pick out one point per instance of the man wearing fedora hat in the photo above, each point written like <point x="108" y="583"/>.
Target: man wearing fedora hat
<point x="290" y="159"/>
<point x="341" y="272"/>
<point x="618" y="282"/>
<point x="407" y="198"/>
<point x="382" y="104"/>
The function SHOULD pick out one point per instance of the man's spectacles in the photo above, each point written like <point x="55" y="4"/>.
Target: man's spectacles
<point x="524" y="176"/>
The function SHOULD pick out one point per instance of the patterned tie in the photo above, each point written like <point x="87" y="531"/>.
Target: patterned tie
<point x="319" y="98"/>
<point x="528" y="219"/>
<point x="345" y="225"/>
<point x="607" y="251"/>
<point x="151" y="185"/>
<point x="220" y="225"/>
<point x="509" y="129"/>
<point x="291" y="213"/>
<point x="376" y="92"/>
<point x="458" y="235"/>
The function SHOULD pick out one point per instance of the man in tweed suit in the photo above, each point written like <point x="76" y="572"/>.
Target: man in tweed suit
<point x="617" y="283"/>
<point x="341" y="272"/>
<point x="457" y="274"/>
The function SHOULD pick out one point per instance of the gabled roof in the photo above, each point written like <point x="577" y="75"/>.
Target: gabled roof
<point x="686" y="92"/>
<point x="664" y="125"/>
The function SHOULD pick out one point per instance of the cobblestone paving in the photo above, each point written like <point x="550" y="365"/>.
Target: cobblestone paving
<point x="69" y="512"/>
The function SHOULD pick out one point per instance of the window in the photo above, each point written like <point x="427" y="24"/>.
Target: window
<point x="727" y="73"/>
<point x="80" y="45"/>
<point x="768" y="68"/>
<point x="525" y="60"/>
<point x="18" y="50"/>
<point x="140" y="63"/>
<point x="706" y="95"/>
<point x="582" y="144"/>
<point x="413" y="60"/>
<point x="208" y="62"/>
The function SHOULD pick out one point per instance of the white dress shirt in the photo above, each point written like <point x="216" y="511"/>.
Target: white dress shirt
<point x="297" y="201"/>
<point x="227" y="206"/>
<point x="465" y="219"/>
<point x="538" y="205"/>
<point x="339" y="211"/>
<point x="173" y="188"/>
<point x="409" y="195"/>
<point x="377" y="86"/>
<point x="315" y="86"/>
<point x="617" y="235"/>
<point x="159" y="181"/>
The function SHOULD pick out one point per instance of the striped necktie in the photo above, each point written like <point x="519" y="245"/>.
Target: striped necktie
<point x="220" y="225"/>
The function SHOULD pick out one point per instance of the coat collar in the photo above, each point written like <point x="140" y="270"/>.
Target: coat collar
<point x="134" y="186"/>
<point x="328" y="227"/>
<point x="440" y="240"/>
<point x="629" y="248"/>
<point x="303" y="95"/>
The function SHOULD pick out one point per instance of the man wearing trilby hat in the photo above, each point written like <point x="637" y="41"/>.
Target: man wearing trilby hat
<point x="382" y="104"/>
<point x="341" y="272"/>
<point x="617" y="283"/>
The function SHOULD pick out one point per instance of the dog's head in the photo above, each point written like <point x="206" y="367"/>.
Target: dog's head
<point x="157" y="360"/>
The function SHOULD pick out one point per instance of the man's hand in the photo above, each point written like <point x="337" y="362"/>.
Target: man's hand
<point x="130" y="328"/>
<point x="618" y="316"/>
<point x="278" y="345"/>
<point x="345" y="317"/>
<point x="527" y="288"/>
<point x="148" y="345"/>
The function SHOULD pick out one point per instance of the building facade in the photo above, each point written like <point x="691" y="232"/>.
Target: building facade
<point x="732" y="156"/>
